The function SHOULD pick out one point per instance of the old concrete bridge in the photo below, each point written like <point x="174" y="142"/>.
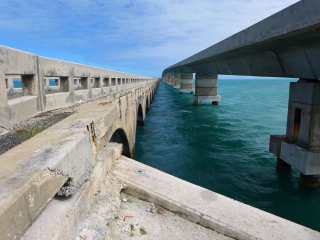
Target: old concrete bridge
<point x="108" y="107"/>
<point x="73" y="158"/>
<point x="286" y="44"/>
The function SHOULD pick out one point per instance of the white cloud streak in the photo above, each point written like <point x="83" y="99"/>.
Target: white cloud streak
<point x="146" y="35"/>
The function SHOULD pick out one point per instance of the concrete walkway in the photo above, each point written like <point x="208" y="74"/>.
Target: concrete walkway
<point x="152" y="222"/>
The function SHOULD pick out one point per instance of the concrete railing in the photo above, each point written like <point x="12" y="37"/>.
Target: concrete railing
<point x="75" y="83"/>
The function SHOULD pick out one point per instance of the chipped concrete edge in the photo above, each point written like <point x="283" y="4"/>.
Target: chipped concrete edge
<point x="24" y="206"/>
<point x="66" y="223"/>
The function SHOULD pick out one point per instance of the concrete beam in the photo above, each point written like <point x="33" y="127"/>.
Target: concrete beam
<point x="285" y="44"/>
<point x="64" y="219"/>
<point x="186" y="85"/>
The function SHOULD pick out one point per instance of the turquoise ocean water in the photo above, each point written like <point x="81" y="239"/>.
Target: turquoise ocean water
<point x="225" y="148"/>
<point x="18" y="84"/>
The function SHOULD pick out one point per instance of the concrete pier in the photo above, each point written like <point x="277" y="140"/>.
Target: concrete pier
<point x="206" y="89"/>
<point x="186" y="85"/>
<point x="300" y="147"/>
<point x="176" y="80"/>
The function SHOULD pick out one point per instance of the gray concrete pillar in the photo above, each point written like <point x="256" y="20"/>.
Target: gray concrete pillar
<point x="176" y="80"/>
<point x="47" y="83"/>
<point x="300" y="146"/>
<point x="186" y="85"/>
<point x="100" y="79"/>
<point x="10" y="83"/>
<point x="3" y="91"/>
<point x="89" y="87"/>
<point x="206" y="89"/>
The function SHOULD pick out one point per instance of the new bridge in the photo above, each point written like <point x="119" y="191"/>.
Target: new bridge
<point x="286" y="44"/>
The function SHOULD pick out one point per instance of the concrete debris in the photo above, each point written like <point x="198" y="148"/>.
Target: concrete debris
<point x="112" y="218"/>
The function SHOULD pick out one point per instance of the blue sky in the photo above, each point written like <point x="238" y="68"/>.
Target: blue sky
<point x="141" y="37"/>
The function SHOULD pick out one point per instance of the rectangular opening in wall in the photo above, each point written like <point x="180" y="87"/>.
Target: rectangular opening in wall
<point x="96" y="83"/>
<point x="84" y="83"/>
<point x="17" y="83"/>
<point x="76" y="83"/>
<point x="64" y="84"/>
<point x="106" y="82"/>
<point x="119" y="81"/>
<point x="28" y="85"/>
<point x="296" y="127"/>
<point x="113" y="82"/>
<point x="52" y="85"/>
<point x="13" y="87"/>
<point x="53" y="82"/>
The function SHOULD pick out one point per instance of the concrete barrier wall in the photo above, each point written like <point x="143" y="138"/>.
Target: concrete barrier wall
<point x="61" y="158"/>
<point x="34" y="71"/>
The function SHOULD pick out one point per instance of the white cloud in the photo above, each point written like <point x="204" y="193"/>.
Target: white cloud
<point x="145" y="35"/>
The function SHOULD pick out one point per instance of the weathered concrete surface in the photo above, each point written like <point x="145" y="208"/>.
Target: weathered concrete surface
<point x="285" y="44"/>
<point x="275" y="144"/>
<point x="186" y="85"/>
<point x="63" y="218"/>
<point x="76" y="83"/>
<point x="307" y="162"/>
<point x="206" y="89"/>
<point x="300" y="147"/>
<point x="62" y="155"/>
<point x="305" y="97"/>
<point x="152" y="222"/>
<point x="207" y="208"/>
<point x="33" y="172"/>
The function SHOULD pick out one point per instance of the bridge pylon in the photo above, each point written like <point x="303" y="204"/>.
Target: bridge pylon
<point x="300" y="146"/>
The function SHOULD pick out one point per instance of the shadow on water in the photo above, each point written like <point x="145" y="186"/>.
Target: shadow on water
<point x="225" y="148"/>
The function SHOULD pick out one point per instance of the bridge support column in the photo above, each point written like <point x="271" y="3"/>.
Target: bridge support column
<point x="186" y="85"/>
<point x="206" y="89"/>
<point x="171" y="77"/>
<point x="300" y="146"/>
<point x="176" y="80"/>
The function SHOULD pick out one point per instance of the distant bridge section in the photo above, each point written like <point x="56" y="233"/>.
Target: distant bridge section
<point x="286" y="44"/>
<point x="74" y="84"/>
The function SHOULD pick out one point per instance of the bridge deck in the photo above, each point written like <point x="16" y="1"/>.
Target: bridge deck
<point x="285" y="44"/>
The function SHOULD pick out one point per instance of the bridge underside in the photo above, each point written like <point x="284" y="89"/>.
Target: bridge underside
<point x="286" y="56"/>
<point x="285" y="44"/>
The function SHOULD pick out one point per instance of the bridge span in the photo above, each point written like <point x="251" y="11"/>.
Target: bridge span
<point x="107" y="106"/>
<point x="286" y="44"/>
<point x="49" y="182"/>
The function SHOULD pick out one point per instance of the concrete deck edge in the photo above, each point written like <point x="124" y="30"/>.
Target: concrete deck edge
<point x="63" y="218"/>
<point x="220" y="213"/>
